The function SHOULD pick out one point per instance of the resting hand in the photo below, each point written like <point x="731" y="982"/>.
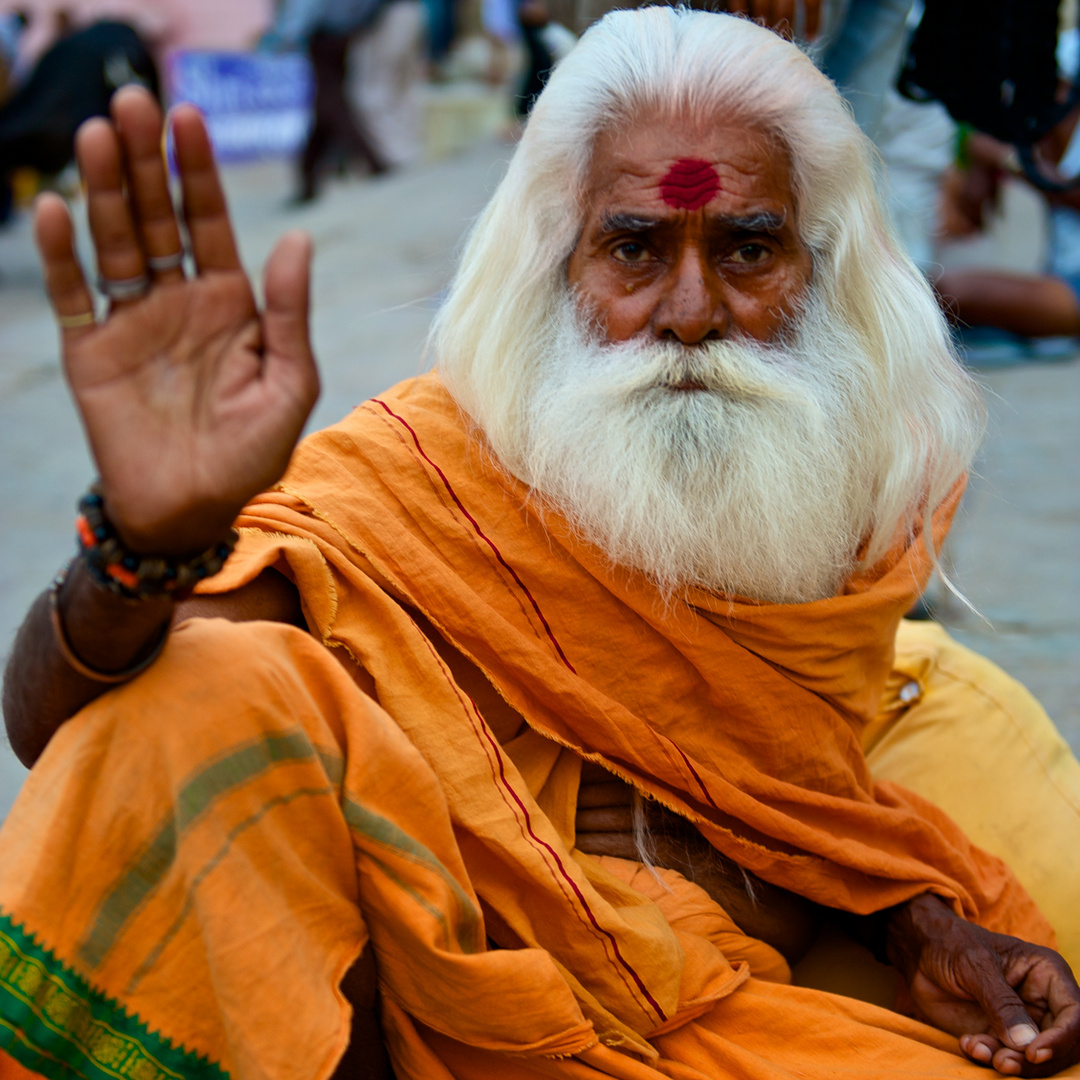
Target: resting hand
<point x="606" y="811"/>
<point x="780" y="14"/>
<point x="192" y="399"/>
<point x="1014" y="1006"/>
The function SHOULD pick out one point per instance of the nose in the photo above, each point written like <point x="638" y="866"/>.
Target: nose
<point x="692" y="307"/>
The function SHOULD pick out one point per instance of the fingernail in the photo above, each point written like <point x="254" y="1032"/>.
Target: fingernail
<point x="982" y="1052"/>
<point x="1022" y="1034"/>
<point x="1044" y="1053"/>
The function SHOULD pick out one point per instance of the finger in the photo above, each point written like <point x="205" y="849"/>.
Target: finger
<point x="205" y="212"/>
<point x="119" y="254"/>
<point x="64" y="279"/>
<point x="1059" y="1037"/>
<point x="737" y="7"/>
<point x="139" y="123"/>
<point x="980" y="1048"/>
<point x="605" y="819"/>
<point x="287" y="286"/>
<point x="812" y="12"/>
<point x="617" y="845"/>
<point x="612" y="793"/>
<point x="592" y="773"/>
<point x="1009" y="1019"/>
<point x="1008" y="1062"/>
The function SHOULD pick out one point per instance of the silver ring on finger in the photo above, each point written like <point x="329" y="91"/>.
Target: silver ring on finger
<point x="161" y="264"/>
<point x="124" y="288"/>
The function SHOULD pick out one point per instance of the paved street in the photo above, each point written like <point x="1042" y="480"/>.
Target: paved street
<point x="384" y="253"/>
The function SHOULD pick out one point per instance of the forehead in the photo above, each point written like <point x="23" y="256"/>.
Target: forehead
<point x="661" y="166"/>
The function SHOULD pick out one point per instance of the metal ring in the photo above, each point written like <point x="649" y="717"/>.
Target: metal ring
<point x="160" y="264"/>
<point x="76" y="322"/>
<point x="124" y="288"/>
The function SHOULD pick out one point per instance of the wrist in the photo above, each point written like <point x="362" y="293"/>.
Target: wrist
<point x="921" y="919"/>
<point x="133" y="574"/>
<point x="135" y="628"/>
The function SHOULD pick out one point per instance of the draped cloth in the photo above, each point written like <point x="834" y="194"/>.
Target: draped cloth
<point x="201" y="854"/>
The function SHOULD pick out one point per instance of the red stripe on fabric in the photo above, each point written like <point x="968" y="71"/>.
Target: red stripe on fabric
<point x="506" y="786"/>
<point x="568" y="879"/>
<point x="693" y="772"/>
<point x="479" y="532"/>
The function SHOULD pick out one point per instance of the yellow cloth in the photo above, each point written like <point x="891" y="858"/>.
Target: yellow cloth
<point x="209" y="847"/>
<point x="263" y="818"/>
<point x="962" y="733"/>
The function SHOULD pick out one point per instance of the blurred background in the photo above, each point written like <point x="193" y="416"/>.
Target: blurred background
<point x="382" y="126"/>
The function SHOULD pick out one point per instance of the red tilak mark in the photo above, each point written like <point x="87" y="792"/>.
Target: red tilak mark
<point x="689" y="184"/>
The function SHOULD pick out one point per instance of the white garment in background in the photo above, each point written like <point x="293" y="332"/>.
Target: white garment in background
<point x="388" y="74"/>
<point x="558" y="40"/>
<point x="917" y="141"/>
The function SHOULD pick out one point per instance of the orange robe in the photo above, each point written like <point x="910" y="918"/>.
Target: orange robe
<point x="259" y="811"/>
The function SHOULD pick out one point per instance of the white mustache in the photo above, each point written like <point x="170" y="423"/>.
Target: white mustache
<point x="738" y="369"/>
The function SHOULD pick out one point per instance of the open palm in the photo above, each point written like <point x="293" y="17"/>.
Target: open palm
<point x="192" y="398"/>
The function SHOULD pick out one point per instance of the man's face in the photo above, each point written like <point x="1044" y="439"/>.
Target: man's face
<point x="690" y="236"/>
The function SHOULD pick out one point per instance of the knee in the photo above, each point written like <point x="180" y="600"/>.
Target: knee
<point x="218" y="683"/>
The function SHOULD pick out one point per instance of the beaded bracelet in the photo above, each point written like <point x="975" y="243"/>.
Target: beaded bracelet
<point x="130" y="575"/>
<point x="68" y="653"/>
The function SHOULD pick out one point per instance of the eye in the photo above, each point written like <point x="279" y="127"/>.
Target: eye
<point x="631" y="251"/>
<point x="751" y="253"/>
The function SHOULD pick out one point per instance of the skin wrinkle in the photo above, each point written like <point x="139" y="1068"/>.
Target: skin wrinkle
<point x="689" y="184"/>
<point x="736" y="265"/>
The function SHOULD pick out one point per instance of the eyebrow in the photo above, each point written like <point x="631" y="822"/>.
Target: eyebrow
<point x="612" y="223"/>
<point x="764" y="221"/>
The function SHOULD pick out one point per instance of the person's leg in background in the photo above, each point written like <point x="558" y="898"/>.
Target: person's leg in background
<point x="334" y="120"/>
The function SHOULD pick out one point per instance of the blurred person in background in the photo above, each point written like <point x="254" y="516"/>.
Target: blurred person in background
<point x="1023" y="304"/>
<point x="326" y="28"/>
<point x="533" y="714"/>
<point x="442" y="29"/>
<point x="74" y="80"/>
<point x="387" y="70"/>
<point x="12" y="27"/>
<point x="546" y="43"/>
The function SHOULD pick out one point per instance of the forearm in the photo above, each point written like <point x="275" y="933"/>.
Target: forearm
<point x="784" y="920"/>
<point x="107" y="633"/>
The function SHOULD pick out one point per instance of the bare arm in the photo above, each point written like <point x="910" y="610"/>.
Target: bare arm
<point x="787" y="922"/>
<point x="1013" y="1006"/>
<point x="41" y="690"/>
<point x="191" y="397"/>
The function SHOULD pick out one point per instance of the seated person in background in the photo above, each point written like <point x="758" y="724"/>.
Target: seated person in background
<point x="521" y="733"/>
<point x="1030" y="305"/>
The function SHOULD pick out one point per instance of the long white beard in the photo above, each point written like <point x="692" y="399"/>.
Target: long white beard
<point x="761" y="484"/>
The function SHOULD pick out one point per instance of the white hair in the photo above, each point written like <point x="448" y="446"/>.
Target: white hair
<point x="688" y="66"/>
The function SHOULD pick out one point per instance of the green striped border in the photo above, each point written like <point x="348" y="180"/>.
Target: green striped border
<point x="54" y="1024"/>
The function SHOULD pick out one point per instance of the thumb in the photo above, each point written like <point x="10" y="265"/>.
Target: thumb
<point x="287" y="286"/>
<point x="1009" y="1020"/>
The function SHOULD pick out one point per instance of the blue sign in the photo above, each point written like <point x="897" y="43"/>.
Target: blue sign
<point x="255" y="104"/>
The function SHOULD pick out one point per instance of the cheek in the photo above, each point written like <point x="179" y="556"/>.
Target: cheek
<point x="762" y="312"/>
<point x="620" y="313"/>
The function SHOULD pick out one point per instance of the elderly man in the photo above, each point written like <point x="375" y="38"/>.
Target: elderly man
<point x="527" y="710"/>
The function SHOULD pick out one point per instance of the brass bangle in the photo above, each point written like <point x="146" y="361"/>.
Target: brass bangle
<point x="77" y="665"/>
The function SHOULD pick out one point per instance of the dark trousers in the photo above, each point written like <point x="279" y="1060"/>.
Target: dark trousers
<point x="335" y="124"/>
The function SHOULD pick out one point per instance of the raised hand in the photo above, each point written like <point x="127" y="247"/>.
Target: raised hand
<point x="192" y="399"/>
<point x="1014" y="1006"/>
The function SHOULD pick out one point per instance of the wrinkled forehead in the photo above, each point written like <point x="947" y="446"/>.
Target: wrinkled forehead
<point x="677" y="164"/>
